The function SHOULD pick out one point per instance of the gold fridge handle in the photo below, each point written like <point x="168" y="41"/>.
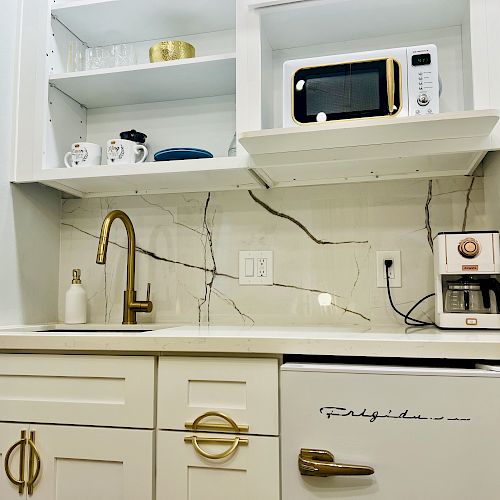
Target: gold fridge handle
<point x="322" y="463"/>
<point x="195" y="440"/>
<point x="391" y="84"/>
<point x="18" y="482"/>
<point x="231" y="425"/>
<point x="34" y="459"/>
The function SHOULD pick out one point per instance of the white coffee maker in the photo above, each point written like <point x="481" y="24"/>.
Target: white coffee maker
<point x="467" y="279"/>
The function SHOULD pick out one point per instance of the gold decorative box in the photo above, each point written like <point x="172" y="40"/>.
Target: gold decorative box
<point x="170" y="50"/>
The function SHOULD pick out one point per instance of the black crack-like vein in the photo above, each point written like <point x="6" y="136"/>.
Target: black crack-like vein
<point x="299" y="224"/>
<point x="216" y="273"/>
<point x="428" y="216"/>
<point x="210" y="273"/>
<point x="467" y="203"/>
<point x="232" y="303"/>
<point x="169" y="212"/>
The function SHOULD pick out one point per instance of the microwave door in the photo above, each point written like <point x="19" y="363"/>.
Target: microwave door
<point x="361" y="89"/>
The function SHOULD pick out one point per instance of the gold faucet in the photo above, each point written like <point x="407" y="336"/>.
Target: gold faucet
<point x="131" y="306"/>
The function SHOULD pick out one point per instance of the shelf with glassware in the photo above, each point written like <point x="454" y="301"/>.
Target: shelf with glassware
<point x="450" y="142"/>
<point x="204" y="76"/>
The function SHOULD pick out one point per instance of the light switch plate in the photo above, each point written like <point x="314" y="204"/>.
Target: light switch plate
<point x="256" y="267"/>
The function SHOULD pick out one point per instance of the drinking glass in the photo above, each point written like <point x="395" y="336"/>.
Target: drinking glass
<point x="124" y="54"/>
<point x="95" y="58"/>
<point x="75" y="58"/>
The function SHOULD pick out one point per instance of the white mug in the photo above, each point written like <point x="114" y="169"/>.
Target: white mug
<point x="124" y="151"/>
<point x="83" y="154"/>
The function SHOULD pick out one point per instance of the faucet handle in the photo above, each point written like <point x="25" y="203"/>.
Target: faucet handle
<point x="148" y="293"/>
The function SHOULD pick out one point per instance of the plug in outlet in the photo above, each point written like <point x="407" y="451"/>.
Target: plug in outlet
<point x="394" y="270"/>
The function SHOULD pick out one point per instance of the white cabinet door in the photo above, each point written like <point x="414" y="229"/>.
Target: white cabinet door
<point x="429" y="434"/>
<point x="85" y="463"/>
<point x="250" y="473"/>
<point x="10" y="434"/>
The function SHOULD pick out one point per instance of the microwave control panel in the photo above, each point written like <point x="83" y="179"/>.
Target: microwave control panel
<point x="423" y="80"/>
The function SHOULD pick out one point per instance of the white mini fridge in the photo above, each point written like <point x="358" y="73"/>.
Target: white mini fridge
<point x="390" y="433"/>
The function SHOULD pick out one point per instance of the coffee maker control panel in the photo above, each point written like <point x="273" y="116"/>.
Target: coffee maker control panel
<point x="472" y="253"/>
<point x="469" y="248"/>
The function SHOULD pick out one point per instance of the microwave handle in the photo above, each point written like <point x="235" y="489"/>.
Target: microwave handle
<point x="391" y="84"/>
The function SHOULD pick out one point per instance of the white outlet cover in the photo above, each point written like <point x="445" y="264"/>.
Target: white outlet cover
<point x="395" y="256"/>
<point x="248" y="267"/>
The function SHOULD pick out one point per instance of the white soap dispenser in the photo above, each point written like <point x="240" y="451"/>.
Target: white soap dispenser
<point x="76" y="301"/>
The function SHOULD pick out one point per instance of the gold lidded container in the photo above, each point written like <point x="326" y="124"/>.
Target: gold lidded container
<point x="169" y="50"/>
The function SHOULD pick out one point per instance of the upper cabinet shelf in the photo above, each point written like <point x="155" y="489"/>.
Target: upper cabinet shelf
<point x="104" y="22"/>
<point x="165" y="81"/>
<point x="288" y="23"/>
<point x="363" y="150"/>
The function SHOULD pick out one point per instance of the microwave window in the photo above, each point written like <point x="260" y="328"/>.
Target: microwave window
<point x="355" y="91"/>
<point x="345" y="90"/>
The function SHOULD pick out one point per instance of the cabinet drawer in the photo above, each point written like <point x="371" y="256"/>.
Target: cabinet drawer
<point x="250" y="472"/>
<point x="246" y="390"/>
<point x="115" y="391"/>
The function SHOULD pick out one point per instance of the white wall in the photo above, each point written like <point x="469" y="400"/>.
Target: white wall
<point x="29" y="214"/>
<point x="492" y="189"/>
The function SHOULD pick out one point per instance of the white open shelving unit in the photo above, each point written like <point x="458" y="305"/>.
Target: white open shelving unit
<point x="235" y="84"/>
<point x="143" y="83"/>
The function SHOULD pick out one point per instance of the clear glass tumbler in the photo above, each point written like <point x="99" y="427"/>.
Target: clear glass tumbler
<point x="75" y="57"/>
<point x="124" y="55"/>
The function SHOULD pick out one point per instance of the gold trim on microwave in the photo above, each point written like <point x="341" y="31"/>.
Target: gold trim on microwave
<point x="389" y="115"/>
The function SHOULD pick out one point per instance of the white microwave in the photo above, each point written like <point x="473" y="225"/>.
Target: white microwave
<point x="381" y="83"/>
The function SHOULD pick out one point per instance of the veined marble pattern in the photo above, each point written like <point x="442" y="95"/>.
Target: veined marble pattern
<point x="324" y="239"/>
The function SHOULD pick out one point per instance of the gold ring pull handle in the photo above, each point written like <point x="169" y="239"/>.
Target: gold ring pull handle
<point x="34" y="459"/>
<point x="391" y="84"/>
<point x="22" y="444"/>
<point x="195" y="440"/>
<point x="322" y="463"/>
<point x="229" y="425"/>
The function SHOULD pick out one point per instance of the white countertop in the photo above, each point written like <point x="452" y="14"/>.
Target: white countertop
<point x="375" y="342"/>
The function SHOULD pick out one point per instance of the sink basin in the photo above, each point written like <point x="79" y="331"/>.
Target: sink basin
<point x="91" y="328"/>
<point x="81" y="330"/>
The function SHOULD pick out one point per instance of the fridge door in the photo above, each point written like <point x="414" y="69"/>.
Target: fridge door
<point x="429" y="434"/>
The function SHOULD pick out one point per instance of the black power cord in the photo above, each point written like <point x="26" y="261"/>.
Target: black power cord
<point x="407" y="317"/>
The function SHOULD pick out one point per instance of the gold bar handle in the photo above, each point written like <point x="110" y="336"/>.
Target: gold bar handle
<point x="322" y="463"/>
<point x="229" y="425"/>
<point x="235" y="442"/>
<point x="391" y="84"/>
<point x="18" y="482"/>
<point x="34" y="459"/>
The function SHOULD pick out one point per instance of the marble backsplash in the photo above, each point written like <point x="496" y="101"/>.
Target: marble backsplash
<point x="324" y="239"/>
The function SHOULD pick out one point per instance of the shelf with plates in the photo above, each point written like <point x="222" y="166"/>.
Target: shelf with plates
<point x="104" y="22"/>
<point x="205" y="76"/>
<point x="375" y="149"/>
<point x="181" y="176"/>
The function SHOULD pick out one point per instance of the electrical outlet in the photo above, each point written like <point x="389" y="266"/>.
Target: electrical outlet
<point x="394" y="270"/>
<point x="256" y="267"/>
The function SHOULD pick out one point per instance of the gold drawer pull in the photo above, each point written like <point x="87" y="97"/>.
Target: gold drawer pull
<point x="18" y="482"/>
<point x="229" y="425"/>
<point x="322" y="463"/>
<point x="34" y="459"/>
<point x="235" y="442"/>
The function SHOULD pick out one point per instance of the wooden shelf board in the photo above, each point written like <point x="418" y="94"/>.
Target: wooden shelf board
<point x="214" y="174"/>
<point x="105" y="22"/>
<point x="165" y="81"/>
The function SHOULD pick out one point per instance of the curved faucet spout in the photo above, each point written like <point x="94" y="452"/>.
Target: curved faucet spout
<point x="130" y="305"/>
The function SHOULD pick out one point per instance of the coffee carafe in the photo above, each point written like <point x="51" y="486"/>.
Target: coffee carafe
<point x="467" y="279"/>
